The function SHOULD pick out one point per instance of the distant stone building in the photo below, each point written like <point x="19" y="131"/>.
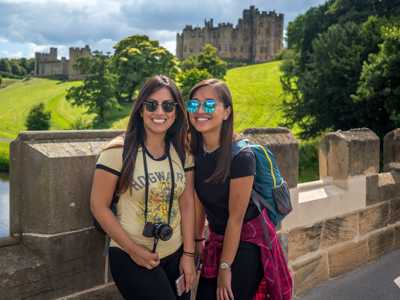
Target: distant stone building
<point x="48" y="64"/>
<point x="258" y="37"/>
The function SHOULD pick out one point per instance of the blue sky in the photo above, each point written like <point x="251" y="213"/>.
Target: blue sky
<point x="27" y="26"/>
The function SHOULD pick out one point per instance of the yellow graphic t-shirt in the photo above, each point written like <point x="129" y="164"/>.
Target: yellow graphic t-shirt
<point x="131" y="206"/>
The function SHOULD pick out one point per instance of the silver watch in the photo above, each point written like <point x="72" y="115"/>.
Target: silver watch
<point x="224" y="266"/>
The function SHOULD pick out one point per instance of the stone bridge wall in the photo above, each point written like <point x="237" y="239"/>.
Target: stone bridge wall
<point x="349" y="217"/>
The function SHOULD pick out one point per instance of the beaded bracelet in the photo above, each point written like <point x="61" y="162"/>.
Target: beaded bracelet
<point x="199" y="240"/>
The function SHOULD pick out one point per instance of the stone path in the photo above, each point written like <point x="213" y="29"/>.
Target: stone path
<point x="370" y="282"/>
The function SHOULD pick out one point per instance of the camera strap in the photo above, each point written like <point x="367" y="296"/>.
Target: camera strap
<point x="146" y="189"/>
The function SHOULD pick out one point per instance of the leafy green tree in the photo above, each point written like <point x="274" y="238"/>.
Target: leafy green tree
<point x="5" y="65"/>
<point x="190" y="77"/>
<point x="135" y="59"/>
<point x="328" y="46"/>
<point x="97" y="92"/>
<point x="38" y="118"/>
<point x="207" y="60"/>
<point x="328" y="81"/>
<point x="378" y="93"/>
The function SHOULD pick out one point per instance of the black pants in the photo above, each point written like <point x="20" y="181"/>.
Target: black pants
<point x="247" y="272"/>
<point x="138" y="283"/>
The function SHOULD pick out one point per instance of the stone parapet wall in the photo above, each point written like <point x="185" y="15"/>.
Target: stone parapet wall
<point x="349" y="217"/>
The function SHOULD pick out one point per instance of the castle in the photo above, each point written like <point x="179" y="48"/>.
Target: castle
<point x="48" y="65"/>
<point x="258" y="37"/>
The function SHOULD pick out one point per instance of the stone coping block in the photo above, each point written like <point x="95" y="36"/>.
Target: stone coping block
<point x="349" y="153"/>
<point x="284" y="146"/>
<point x="382" y="187"/>
<point x="391" y="149"/>
<point x="50" y="179"/>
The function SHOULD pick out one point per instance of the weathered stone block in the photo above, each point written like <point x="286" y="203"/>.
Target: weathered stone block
<point x="304" y="240"/>
<point x="339" y="230"/>
<point x="56" y="171"/>
<point x="391" y="148"/>
<point x="347" y="257"/>
<point x="310" y="272"/>
<point x="374" y="217"/>
<point x="74" y="261"/>
<point x="349" y="153"/>
<point x="380" y="242"/>
<point x="284" y="146"/>
<point x="394" y="211"/>
<point x="22" y="274"/>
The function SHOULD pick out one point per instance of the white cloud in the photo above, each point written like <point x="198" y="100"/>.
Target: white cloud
<point x="37" y="24"/>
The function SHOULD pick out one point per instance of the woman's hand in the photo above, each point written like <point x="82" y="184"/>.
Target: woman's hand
<point x="224" y="289"/>
<point x="144" y="257"/>
<point x="187" y="267"/>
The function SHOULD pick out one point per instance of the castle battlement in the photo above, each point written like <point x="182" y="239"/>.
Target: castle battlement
<point x="259" y="34"/>
<point x="48" y="64"/>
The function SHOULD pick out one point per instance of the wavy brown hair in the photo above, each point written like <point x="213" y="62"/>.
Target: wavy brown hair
<point x="134" y="136"/>
<point x="224" y="158"/>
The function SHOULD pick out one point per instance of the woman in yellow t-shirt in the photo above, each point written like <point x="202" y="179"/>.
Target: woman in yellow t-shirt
<point x="152" y="232"/>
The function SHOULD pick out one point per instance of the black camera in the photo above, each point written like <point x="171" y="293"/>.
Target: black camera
<point x="160" y="231"/>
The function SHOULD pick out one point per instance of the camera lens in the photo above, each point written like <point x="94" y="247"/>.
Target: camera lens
<point x="162" y="231"/>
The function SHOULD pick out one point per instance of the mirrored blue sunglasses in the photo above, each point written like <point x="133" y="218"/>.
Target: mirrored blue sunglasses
<point x="209" y="105"/>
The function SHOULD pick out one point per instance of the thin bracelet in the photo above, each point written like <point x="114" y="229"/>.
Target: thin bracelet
<point x="200" y="240"/>
<point x="191" y="254"/>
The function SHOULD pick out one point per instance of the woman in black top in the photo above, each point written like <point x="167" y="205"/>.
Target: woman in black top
<point x="223" y="186"/>
<point x="242" y="258"/>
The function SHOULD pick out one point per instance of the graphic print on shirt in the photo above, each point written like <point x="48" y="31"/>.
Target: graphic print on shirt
<point x="159" y="193"/>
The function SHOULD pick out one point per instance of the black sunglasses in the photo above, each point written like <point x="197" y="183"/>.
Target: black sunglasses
<point x="167" y="106"/>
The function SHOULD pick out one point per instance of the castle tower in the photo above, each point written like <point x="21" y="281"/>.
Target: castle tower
<point x="257" y="37"/>
<point x="74" y="55"/>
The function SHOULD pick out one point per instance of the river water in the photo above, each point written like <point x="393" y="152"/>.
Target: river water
<point x="4" y="205"/>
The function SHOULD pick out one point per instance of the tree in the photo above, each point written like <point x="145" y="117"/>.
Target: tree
<point x="5" y="65"/>
<point x="379" y="87"/>
<point x="190" y="77"/>
<point x="97" y="92"/>
<point x="329" y="45"/>
<point x="328" y="81"/>
<point x="38" y="118"/>
<point x="207" y="60"/>
<point x="135" y="59"/>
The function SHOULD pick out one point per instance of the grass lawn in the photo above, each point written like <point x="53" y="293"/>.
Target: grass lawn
<point x="17" y="99"/>
<point x="256" y="92"/>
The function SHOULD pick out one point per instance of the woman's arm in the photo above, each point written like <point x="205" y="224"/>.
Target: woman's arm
<point x="186" y="205"/>
<point x="239" y="197"/>
<point x="103" y="187"/>
<point x="200" y="217"/>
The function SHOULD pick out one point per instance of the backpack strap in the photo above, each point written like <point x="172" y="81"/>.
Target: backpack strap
<point x="270" y="164"/>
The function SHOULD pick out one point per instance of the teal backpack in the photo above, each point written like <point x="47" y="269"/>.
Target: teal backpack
<point x="270" y="190"/>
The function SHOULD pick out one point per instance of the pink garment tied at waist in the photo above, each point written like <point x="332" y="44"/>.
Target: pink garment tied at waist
<point x="277" y="282"/>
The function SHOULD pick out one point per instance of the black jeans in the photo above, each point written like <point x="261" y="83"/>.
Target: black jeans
<point x="138" y="283"/>
<point x="247" y="272"/>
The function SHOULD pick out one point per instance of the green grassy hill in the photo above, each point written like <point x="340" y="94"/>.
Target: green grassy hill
<point x="256" y="92"/>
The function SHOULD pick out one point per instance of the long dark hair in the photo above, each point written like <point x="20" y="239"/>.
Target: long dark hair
<point x="222" y="170"/>
<point x="134" y="135"/>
